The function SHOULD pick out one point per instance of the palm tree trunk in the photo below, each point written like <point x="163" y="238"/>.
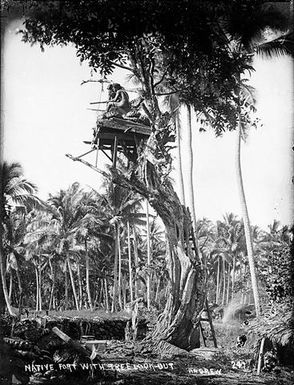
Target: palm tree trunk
<point x="88" y="277"/>
<point x="124" y="292"/>
<point x="106" y="295"/>
<point x="4" y="286"/>
<point x="148" y="256"/>
<point x="179" y="160"/>
<point x="157" y="289"/>
<point x="114" y="299"/>
<point x="136" y="260"/>
<point x="246" y="221"/>
<point x="65" y="286"/>
<point x="51" y="301"/>
<point x="80" y="296"/>
<point x="218" y="281"/>
<point x="10" y="285"/>
<point x="20" y="296"/>
<point x="119" y="269"/>
<point x="37" y="288"/>
<point x="224" y="282"/>
<point x="40" y="287"/>
<point x="73" y="285"/>
<point x="189" y="156"/>
<point x="130" y="263"/>
<point x="228" y="284"/>
<point x="233" y="276"/>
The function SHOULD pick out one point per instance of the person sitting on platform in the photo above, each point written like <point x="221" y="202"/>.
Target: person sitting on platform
<point x="119" y="103"/>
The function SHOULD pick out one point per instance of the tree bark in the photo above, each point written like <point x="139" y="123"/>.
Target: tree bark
<point x="179" y="323"/>
<point x="246" y="221"/>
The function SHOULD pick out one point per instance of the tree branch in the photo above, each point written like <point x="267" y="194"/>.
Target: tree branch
<point x="95" y="81"/>
<point x="122" y="66"/>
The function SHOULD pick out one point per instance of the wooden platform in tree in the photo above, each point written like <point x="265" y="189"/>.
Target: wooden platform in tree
<point x="119" y="135"/>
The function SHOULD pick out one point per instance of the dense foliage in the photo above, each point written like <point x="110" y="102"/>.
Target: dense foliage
<point x="194" y="49"/>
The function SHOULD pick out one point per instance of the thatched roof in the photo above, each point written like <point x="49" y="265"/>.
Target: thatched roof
<point x="277" y="324"/>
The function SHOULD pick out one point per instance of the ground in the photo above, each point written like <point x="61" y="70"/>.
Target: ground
<point x="140" y="362"/>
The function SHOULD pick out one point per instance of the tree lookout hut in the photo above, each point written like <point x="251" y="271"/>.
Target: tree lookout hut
<point x="119" y="135"/>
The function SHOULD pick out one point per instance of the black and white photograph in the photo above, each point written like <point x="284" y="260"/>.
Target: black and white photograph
<point x="147" y="184"/>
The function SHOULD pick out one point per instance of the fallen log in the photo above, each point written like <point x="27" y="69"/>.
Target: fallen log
<point x="74" y="344"/>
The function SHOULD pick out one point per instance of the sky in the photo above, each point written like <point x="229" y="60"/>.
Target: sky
<point x="44" y="116"/>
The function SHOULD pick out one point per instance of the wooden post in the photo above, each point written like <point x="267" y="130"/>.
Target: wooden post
<point x="260" y="356"/>
<point x="114" y="154"/>
<point x="97" y="152"/>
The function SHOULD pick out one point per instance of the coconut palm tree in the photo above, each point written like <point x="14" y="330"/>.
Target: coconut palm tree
<point x="244" y="32"/>
<point x="121" y="206"/>
<point x="17" y="193"/>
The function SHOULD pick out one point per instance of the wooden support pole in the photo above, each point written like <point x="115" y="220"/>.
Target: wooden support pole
<point x="114" y="153"/>
<point x="260" y="356"/>
<point x="86" y="153"/>
<point x="97" y="152"/>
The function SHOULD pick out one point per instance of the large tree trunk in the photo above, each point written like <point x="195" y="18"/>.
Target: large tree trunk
<point x="179" y="323"/>
<point x="246" y="221"/>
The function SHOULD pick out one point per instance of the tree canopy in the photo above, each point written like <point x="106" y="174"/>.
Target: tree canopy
<point x="183" y="47"/>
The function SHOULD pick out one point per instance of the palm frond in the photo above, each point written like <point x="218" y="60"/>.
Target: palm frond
<point x="277" y="47"/>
